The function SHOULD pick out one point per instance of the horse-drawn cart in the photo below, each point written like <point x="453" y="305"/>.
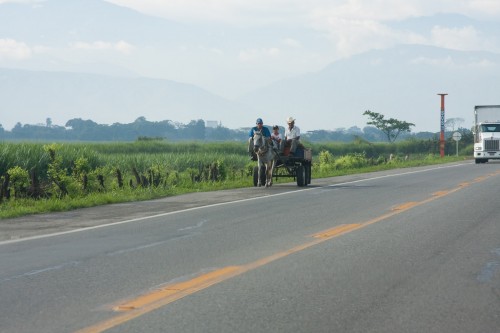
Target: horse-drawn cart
<point x="297" y="166"/>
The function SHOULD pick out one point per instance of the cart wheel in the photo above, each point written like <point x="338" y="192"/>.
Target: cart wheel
<point x="308" y="173"/>
<point x="301" y="176"/>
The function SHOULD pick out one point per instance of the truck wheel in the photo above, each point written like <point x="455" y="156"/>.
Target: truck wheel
<point x="301" y="176"/>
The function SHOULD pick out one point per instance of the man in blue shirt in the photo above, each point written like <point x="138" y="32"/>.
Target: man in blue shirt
<point x="259" y="126"/>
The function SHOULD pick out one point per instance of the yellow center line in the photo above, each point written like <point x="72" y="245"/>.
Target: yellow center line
<point x="152" y="301"/>
<point x="157" y="299"/>
<point x="146" y="303"/>
<point x="440" y="193"/>
<point x="177" y="288"/>
<point x="405" y="206"/>
<point x="337" y="231"/>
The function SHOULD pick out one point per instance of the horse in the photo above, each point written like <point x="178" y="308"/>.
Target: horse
<point x="266" y="157"/>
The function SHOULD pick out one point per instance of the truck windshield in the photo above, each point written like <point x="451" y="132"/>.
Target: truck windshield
<point x="490" y="128"/>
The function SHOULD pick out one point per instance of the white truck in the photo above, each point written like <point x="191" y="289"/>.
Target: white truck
<point x="486" y="133"/>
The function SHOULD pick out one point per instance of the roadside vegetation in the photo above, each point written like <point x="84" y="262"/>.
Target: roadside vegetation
<point x="49" y="177"/>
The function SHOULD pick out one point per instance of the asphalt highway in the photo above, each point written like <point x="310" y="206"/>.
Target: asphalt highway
<point x="410" y="250"/>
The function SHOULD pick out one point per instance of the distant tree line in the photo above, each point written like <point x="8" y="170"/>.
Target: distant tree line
<point x="87" y="130"/>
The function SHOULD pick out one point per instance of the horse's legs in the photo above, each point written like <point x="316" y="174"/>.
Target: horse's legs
<point x="271" y="171"/>
<point x="269" y="174"/>
<point x="259" y="184"/>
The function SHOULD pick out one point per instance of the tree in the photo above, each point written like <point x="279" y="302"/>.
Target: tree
<point x="373" y="134"/>
<point x="78" y="124"/>
<point x="195" y="130"/>
<point x="390" y="127"/>
<point x="452" y="122"/>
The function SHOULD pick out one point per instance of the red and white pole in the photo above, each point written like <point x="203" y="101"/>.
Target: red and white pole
<point x="441" y="137"/>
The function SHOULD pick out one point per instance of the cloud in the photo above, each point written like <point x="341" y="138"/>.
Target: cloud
<point x="449" y="62"/>
<point x="241" y="12"/>
<point x="351" y="36"/>
<point x="352" y="26"/>
<point x="13" y="50"/>
<point x="488" y="8"/>
<point x="292" y="42"/>
<point x="121" y="46"/>
<point x="254" y="55"/>
<point x="374" y="10"/>
<point x="19" y="1"/>
<point x="464" y="39"/>
<point x="292" y="12"/>
<point x="441" y="62"/>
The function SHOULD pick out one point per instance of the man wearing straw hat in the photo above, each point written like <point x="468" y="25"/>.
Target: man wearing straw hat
<point x="292" y="135"/>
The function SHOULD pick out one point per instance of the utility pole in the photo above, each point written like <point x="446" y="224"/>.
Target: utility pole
<point x="441" y="137"/>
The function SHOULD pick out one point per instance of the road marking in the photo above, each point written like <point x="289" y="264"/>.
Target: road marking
<point x="186" y="287"/>
<point x="405" y="206"/>
<point x="157" y="299"/>
<point x="337" y="231"/>
<point x="41" y="270"/>
<point x="440" y="193"/>
<point x="152" y="301"/>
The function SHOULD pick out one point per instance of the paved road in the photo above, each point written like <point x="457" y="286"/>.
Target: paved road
<point x="42" y="224"/>
<point x="415" y="250"/>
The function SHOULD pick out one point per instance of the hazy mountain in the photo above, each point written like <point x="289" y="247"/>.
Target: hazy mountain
<point x="104" y="99"/>
<point x="91" y="59"/>
<point x="401" y="82"/>
<point x="426" y="24"/>
<point x="53" y="29"/>
<point x="62" y="21"/>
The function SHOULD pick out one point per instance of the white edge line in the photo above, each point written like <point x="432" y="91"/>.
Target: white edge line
<point x="11" y="241"/>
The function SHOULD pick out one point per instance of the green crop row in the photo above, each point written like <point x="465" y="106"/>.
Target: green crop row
<point x="38" y="177"/>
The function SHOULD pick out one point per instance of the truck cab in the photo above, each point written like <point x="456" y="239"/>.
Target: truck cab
<point x="486" y="133"/>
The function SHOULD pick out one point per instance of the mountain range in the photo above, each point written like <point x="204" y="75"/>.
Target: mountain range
<point x="56" y="80"/>
<point x="402" y="80"/>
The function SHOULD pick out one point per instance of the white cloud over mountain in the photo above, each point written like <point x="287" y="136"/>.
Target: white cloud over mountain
<point x="120" y="46"/>
<point x="11" y="49"/>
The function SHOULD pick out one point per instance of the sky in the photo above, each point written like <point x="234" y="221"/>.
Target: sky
<point x="319" y="13"/>
<point x="312" y="34"/>
<point x="321" y="31"/>
<point x="351" y="26"/>
<point x="333" y="30"/>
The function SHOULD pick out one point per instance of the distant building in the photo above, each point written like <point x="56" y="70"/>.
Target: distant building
<point x="212" y="123"/>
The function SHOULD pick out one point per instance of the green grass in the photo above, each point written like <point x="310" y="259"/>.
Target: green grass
<point x="17" y="207"/>
<point x="178" y="167"/>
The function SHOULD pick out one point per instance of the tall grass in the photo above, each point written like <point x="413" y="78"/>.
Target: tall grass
<point x="88" y="174"/>
<point x="141" y="155"/>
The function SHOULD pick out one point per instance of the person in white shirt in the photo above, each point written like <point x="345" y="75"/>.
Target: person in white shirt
<point x="292" y="135"/>
<point x="276" y="137"/>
